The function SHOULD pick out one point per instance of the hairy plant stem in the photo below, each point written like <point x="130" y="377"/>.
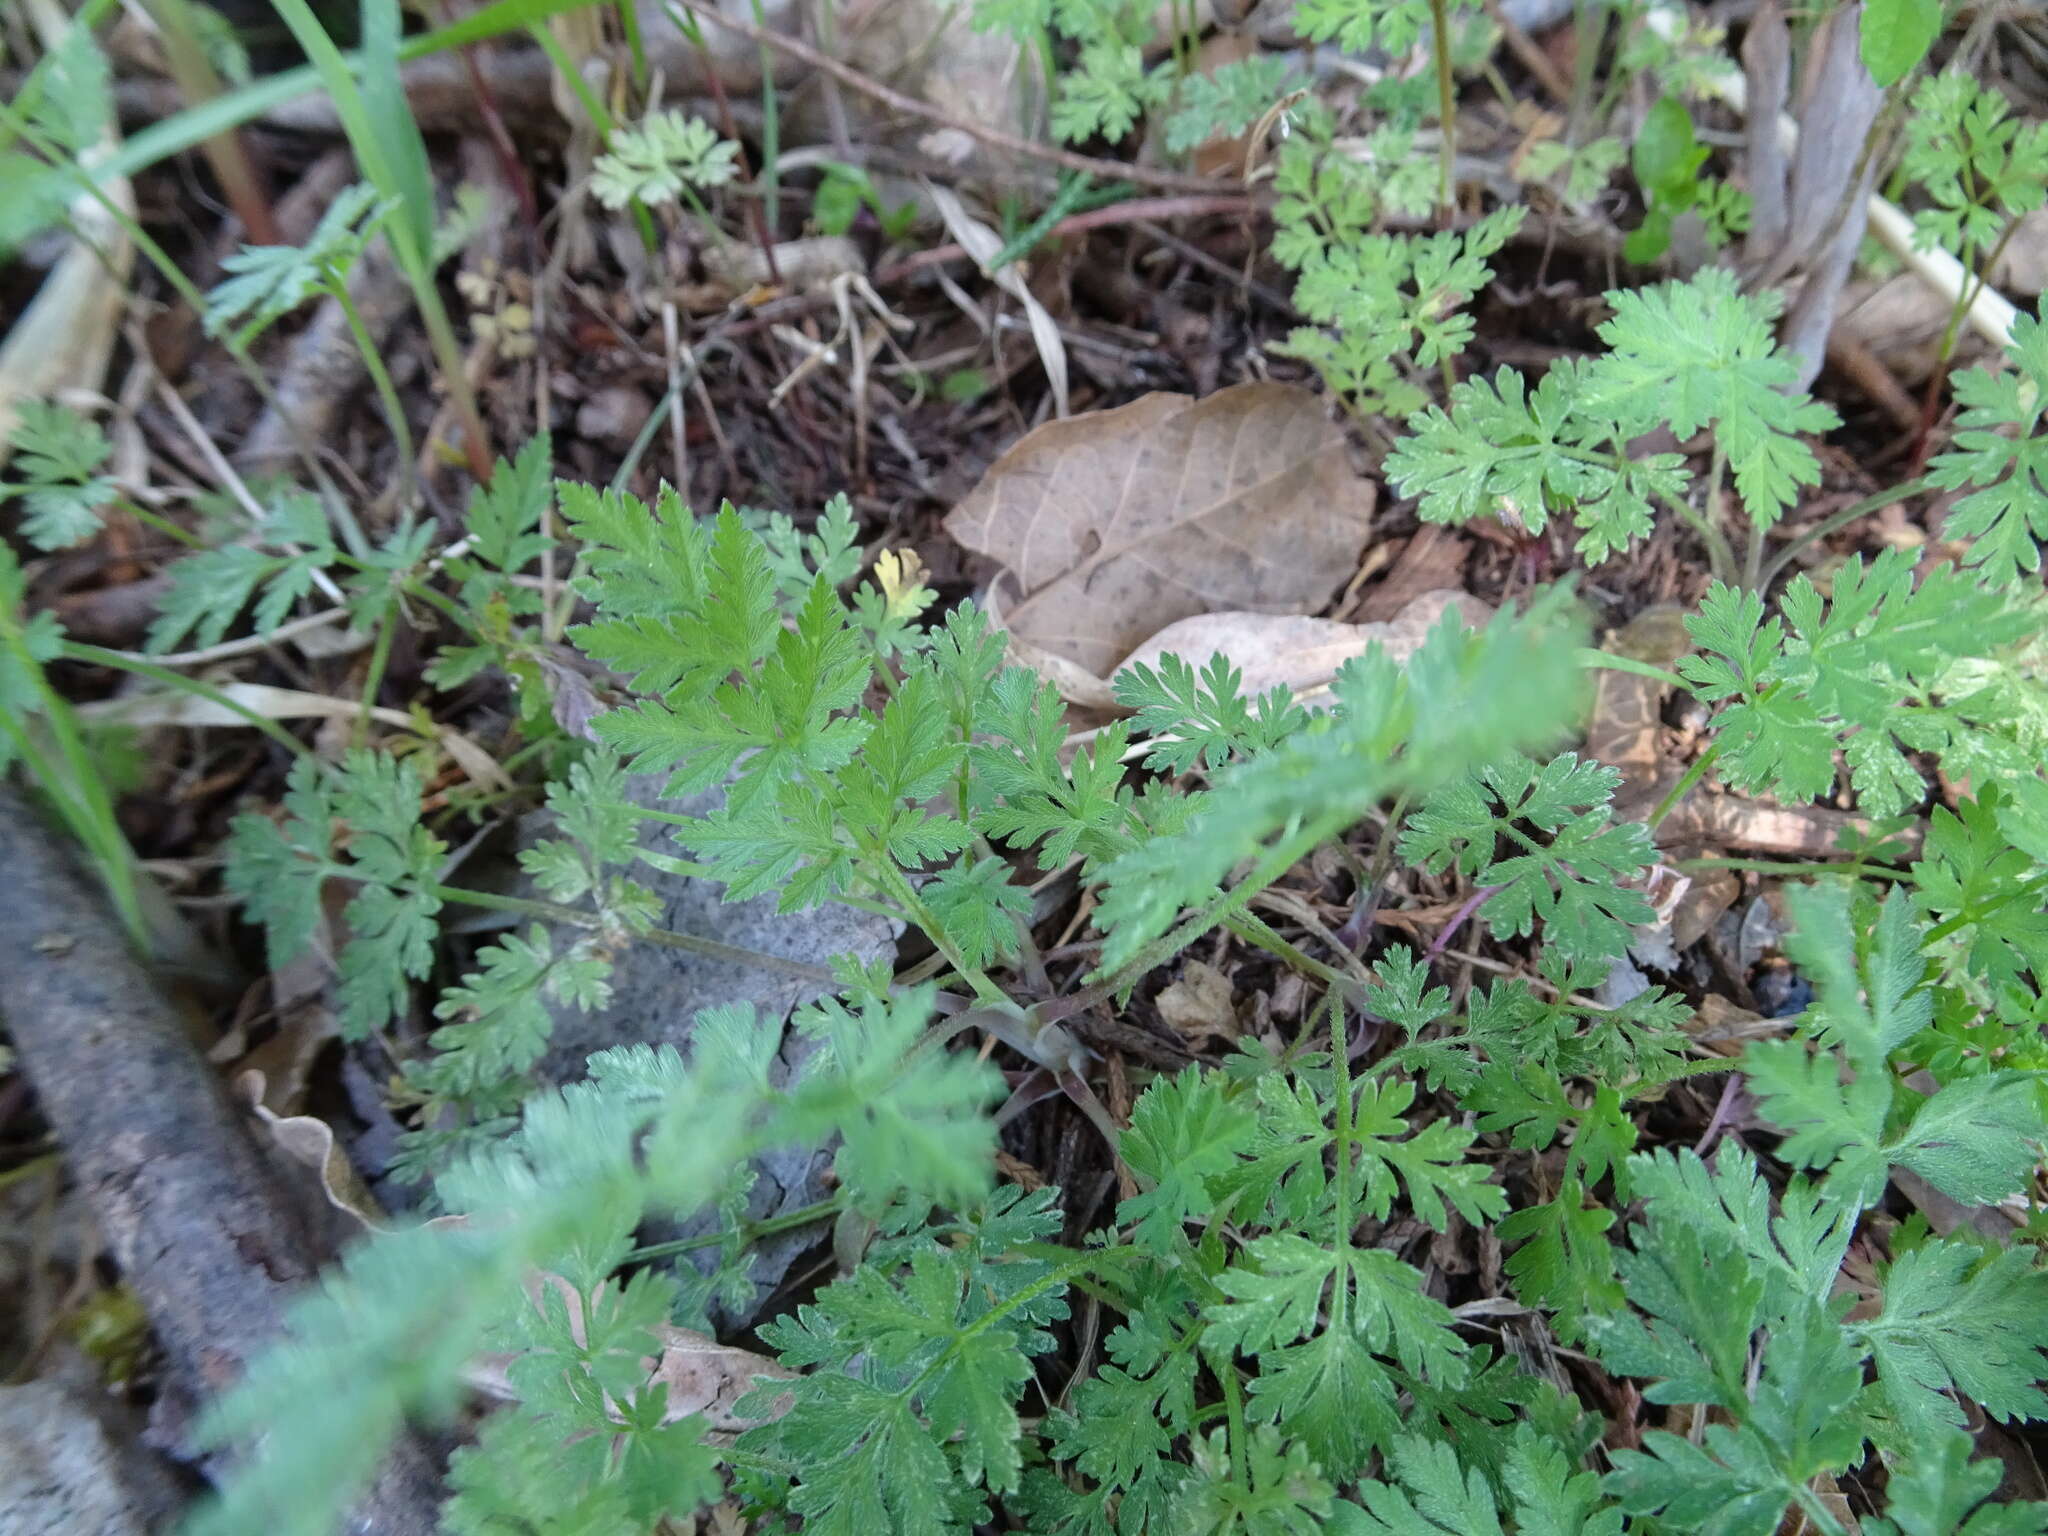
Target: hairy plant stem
<point x="1720" y="554"/>
<point x="1835" y="522"/>
<point x="556" y="912"/>
<point x="749" y="1231"/>
<point x="1953" y="924"/>
<point x="1611" y="661"/>
<point x="1340" y="1177"/>
<point x="900" y="888"/>
<point x="1274" y="863"/>
<point x="1447" y="112"/>
<point x="373" y="680"/>
<point x="1254" y="929"/>
<point x="1677" y="792"/>
<point x="1233" y="1410"/>
<point x="160" y="523"/>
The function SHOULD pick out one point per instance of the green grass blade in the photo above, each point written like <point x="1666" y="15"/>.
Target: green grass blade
<point x="338" y="79"/>
<point x="187" y="129"/>
<point x="390" y="119"/>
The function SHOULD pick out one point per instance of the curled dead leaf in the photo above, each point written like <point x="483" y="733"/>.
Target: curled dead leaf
<point x="802" y="265"/>
<point x="309" y="1141"/>
<point x="702" y="1375"/>
<point x="1118" y="523"/>
<point x="171" y="707"/>
<point x="707" y="1377"/>
<point x="1272" y="649"/>
<point x="1076" y="684"/>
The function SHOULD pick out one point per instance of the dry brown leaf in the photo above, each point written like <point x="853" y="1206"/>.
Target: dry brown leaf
<point x="1432" y="560"/>
<point x="1302" y="653"/>
<point x="1118" y="523"/>
<point x="1721" y="1027"/>
<point x="1626" y="727"/>
<point x="1712" y="892"/>
<point x="707" y="1377"/>
<point x="1199" y="1006"/>
<point x="1076" y="684"/>
<point x="803" y="266"/>
<point x="309" y="1140"/>
<point x="702" y="1375"/>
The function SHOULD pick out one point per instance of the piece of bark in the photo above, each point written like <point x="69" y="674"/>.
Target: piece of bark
<point x="1832" y="175"/>
<point x="203" y="1231"/>
<point x="118" y="616"/>
<point x="325" y="367"/>
<point x="1767" y="60"/>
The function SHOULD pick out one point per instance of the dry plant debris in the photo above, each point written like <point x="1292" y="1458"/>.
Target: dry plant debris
<point x="1116" y="524"/>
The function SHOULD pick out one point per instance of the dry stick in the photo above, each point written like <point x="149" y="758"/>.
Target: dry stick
<point x="1088" y="165"/>
<point x="226" y="152"/>
<point x="1136" y="210"/>
<point x="1132" y="210"/>
<point x="205" y="1235"/>
<point x="1991" y="314"/>
<point x="759" y="215"/>
<point x="1531" y="55"/>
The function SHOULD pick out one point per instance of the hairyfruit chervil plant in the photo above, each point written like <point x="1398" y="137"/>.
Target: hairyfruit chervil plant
<point x="1266" y="1361"/>
<point x="1246" y="1342"/>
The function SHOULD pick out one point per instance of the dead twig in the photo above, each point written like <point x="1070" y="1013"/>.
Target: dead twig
<point x="204" y="1234"/>
<point x="995" y="138"/>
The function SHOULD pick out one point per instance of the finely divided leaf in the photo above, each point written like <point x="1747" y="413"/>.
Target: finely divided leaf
<point x="1185" y="1132"/>
<point x="2002" y="454"/>
<point x="1703" y="353"/>
<point x="1573" y="880"/>
<point x="1955" y="1320"/>
<point x="58" y="454"/>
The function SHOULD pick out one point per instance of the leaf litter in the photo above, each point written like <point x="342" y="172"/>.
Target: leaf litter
<point x="1111" y="526"/>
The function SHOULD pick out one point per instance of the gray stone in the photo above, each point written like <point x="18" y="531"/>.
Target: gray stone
<point x="657" y="993"/>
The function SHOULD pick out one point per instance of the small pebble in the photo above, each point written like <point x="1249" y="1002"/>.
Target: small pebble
<point x="613" y="416"/>
<point x="1781" y="992"/>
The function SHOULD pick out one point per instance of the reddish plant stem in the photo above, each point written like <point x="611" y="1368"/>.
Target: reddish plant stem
<point x="509" y="163"/>
<point x="1449" y="931"/>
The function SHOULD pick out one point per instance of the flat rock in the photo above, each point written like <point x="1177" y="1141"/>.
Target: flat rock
<point x="657" y="993"/>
